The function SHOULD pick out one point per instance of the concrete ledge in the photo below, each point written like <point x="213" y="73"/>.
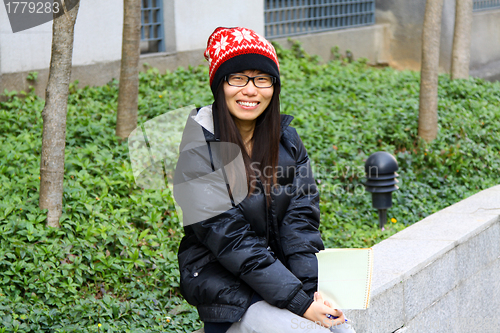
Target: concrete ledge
<point x="440" y="274"/>
<point x="364" y="42"/>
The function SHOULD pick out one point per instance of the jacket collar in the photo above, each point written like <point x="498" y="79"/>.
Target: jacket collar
<point x="285" y="122"/>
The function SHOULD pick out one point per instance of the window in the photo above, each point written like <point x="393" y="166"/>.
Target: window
<point x="294" y="17"/>
<point x="152" y="36"/>
<point x="486" y="4"/>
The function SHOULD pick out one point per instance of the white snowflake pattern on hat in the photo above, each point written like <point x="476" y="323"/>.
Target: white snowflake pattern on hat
<point x="263" y="40"/>
<point x="242" y="35"/>
<point x="221" y="45"/>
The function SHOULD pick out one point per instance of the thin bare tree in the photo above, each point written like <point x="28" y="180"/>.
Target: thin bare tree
<point x="460" y="58"/>
<point x="126" y="118"/>
<point x="54" y="116"/>
<point x="427" y="113"/>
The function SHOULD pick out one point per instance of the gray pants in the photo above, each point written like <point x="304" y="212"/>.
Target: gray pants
<point x="262" y="317"/>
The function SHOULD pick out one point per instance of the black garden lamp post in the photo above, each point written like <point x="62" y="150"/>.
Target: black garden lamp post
<point x="380" y="168"/>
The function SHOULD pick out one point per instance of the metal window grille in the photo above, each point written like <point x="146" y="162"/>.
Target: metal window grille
<point x="486" y="4"/>
<point x="285" y="18"/>
<point x="152" y="34"/>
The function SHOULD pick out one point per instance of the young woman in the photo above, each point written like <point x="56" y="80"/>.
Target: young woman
<point x="249" y="266"/>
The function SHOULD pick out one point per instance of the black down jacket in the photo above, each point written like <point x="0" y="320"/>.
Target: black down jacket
<point x="252" y="247"/>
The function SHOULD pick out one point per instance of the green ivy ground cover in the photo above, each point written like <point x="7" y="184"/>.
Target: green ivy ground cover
<point x="111" y="267"/>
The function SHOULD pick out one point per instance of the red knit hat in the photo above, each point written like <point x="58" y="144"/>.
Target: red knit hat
<point x="232" y="50"/>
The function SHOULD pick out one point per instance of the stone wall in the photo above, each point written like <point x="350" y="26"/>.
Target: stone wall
<point x="440" y="274"/>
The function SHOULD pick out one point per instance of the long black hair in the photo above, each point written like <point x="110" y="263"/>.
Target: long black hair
<point x="264" y="160"/>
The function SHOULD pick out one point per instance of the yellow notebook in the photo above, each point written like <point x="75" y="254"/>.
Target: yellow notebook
<point x="345" y="277"/>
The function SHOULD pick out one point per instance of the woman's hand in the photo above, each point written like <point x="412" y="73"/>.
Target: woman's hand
<point x="321" y="312"/>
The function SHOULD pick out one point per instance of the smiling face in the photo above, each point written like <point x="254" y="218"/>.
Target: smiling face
<point x="247" y="103"/>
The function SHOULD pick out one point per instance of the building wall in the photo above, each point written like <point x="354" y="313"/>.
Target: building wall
<point x="406" y="18"/>
<point x="98" y="37"/>
<point x="98" y="33"/>
<point x="395" y="39"/>
<point x="485" y="45"/>
<point x="196" y="20"/>
<point x="25" y="50"/>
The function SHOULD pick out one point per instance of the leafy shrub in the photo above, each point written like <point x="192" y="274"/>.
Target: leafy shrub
<point x="113" y="261"/>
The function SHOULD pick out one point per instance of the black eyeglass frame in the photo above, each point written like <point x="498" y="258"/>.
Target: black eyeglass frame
<point x="250" y="78"/>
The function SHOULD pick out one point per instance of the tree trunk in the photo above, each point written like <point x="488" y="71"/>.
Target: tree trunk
<point x="126" y="119"/>
<point x="460" y="58"/>
<point x="427" y="114"/>
<point x="54" y="116"/>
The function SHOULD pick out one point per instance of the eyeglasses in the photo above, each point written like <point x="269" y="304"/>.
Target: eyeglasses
<point x="241" y="80"/>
